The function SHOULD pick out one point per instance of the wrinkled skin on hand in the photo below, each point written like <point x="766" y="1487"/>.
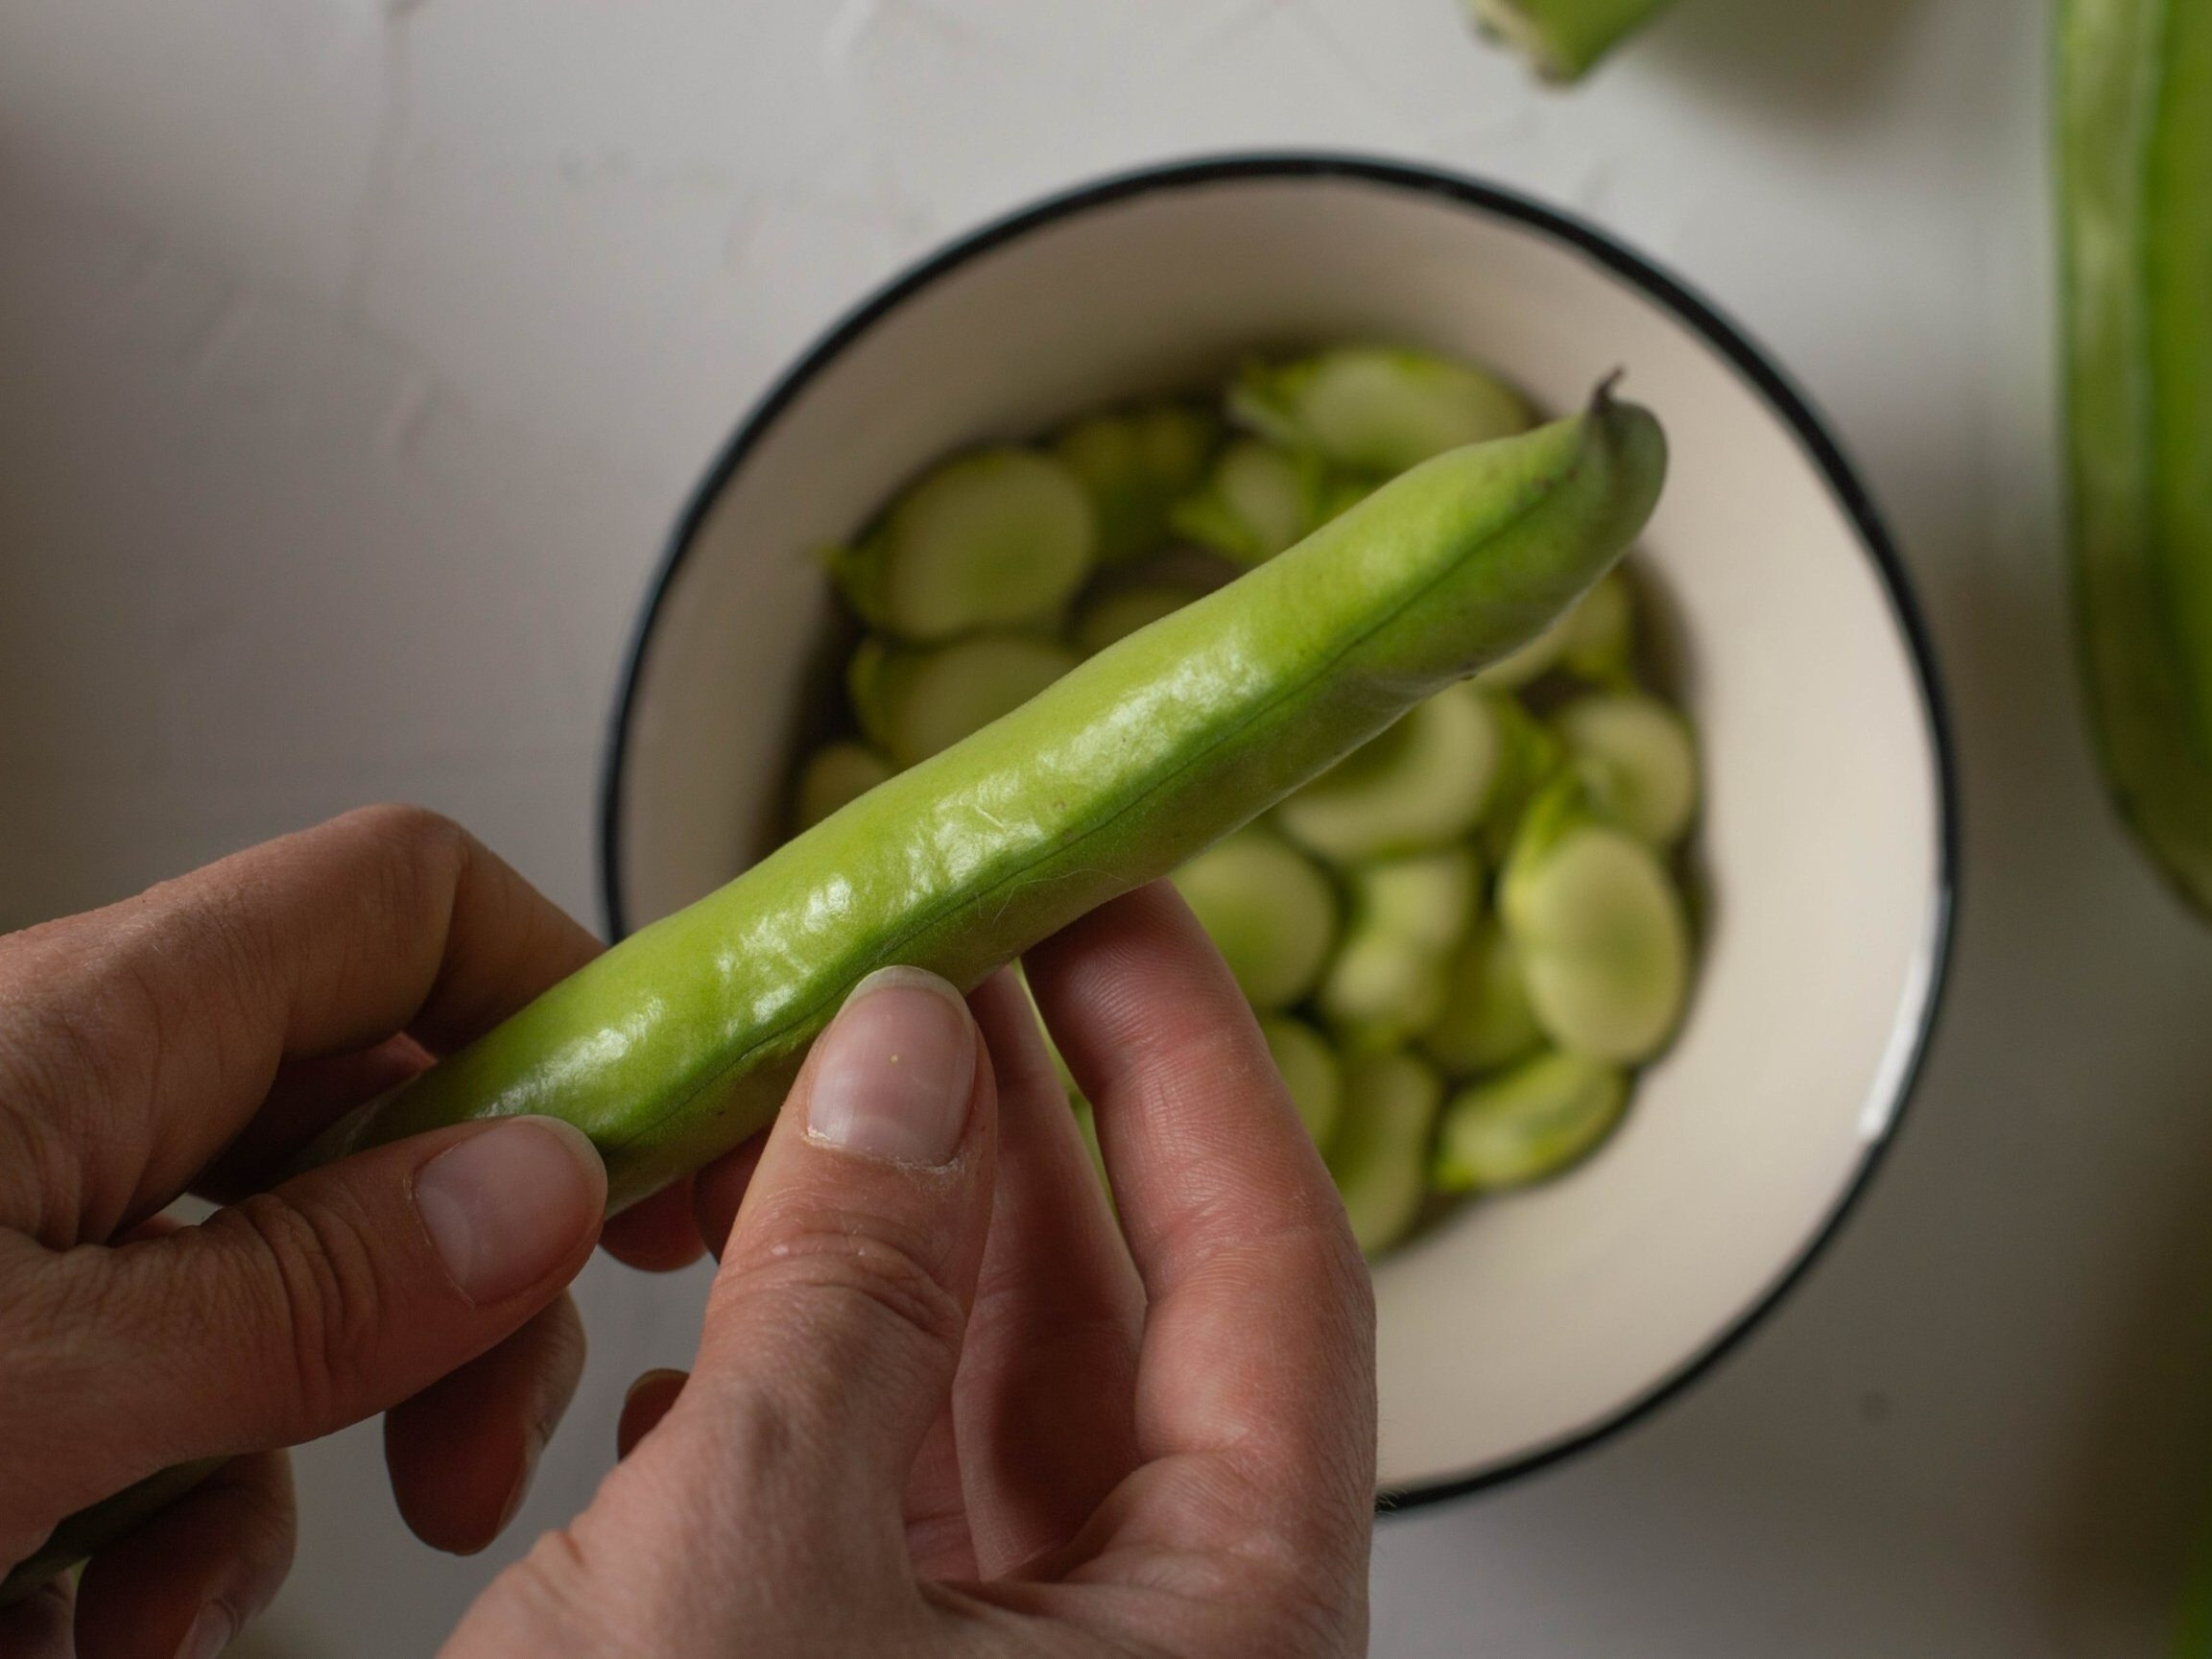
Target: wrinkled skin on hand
<point x="950" y="1408"/>
<point x="935" y="1409"/>
<point x="191" y="1039"/>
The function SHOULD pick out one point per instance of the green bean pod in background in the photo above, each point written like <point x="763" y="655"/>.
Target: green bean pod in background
<point x="1564" y="38"/>
<point x="2135" y="169"/>
<point x="679" y="1043"/>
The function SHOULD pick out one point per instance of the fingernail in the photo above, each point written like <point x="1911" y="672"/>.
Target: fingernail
<point x="893" y="1072"/>
<point x="508" y="1206"/>
<point x="210" y="1633"/>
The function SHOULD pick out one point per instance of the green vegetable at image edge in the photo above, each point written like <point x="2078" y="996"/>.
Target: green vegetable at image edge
<point x="2134" y="125"/>
<point x="2135" y="176"/>
<point x="679" y="1043"/>
<point x="1564" y="38"/>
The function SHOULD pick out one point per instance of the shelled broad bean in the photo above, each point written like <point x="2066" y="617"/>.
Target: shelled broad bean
<point x="1464" y="938"/>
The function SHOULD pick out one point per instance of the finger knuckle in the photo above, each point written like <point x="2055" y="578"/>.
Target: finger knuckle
<point x="404" y="824"/>
<point x="319" y="1276"/>
<point x="55" y="1310"/>
<point x="415" y="863"/>
<point x="74" y="1067"/>
<point x="1217" y="1233"/>
<point x="42" y="1181"/>
<point x="878" y="1281"/>
<point x="1203" y="1058"/>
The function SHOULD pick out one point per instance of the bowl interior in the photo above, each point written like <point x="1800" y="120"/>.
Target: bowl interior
<point x="1528" y="1321"/>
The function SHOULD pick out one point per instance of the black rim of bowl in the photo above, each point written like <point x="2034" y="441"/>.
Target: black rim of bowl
<point x="1696" y="313"/>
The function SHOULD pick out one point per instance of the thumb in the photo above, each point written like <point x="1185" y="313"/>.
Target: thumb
<point x="298" y="1310"/>
<point x="834" y="1324"/>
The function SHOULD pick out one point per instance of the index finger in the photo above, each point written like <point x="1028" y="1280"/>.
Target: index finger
<point x="160" y="1023"/>
<point x="1255" y="1388"/>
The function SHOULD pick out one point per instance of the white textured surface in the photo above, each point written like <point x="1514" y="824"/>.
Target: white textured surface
<point x="354" y="356"/>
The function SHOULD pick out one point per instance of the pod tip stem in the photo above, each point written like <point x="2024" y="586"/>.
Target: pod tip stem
<point x="1602" y="399"/>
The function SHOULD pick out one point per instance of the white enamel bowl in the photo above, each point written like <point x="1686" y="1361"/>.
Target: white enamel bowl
<point x="1535" y="1323"/>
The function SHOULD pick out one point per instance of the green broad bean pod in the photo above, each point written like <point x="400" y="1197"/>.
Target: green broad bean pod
<point x="1596" y="641"/>
<point x="679" y="1043"/>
